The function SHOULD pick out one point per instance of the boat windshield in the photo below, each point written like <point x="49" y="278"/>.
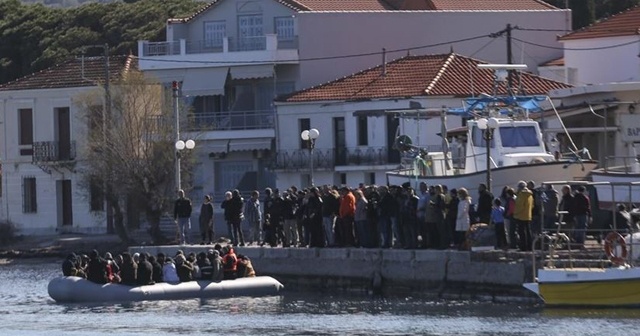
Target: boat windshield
<point x="522" y="136"/>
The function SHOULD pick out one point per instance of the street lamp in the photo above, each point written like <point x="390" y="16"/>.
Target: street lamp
<point x="180" y="144"/>
<point x="310" y="136"/>
<point x="488" y="126"/>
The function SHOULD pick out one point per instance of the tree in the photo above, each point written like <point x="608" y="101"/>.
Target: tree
<point x="129" y="154"/>
<point x="35" y="37"/>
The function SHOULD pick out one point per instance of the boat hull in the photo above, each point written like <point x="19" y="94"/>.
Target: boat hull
<point x="607" y="195"/>
<point x="611" y="287"/>
<point x="75" y="289"/>
<point x="502" y="176"/>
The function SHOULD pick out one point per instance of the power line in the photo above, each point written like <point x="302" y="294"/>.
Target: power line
<point x="328" y="57"/>
<point x="576" y="49"/>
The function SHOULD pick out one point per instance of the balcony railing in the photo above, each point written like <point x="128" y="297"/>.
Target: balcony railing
<point x="53" y="151"/>
<point x="227" y="44"/>
<point x="221" y="121"/>
<point x="298" y="159"/>
<point x="161" y="48"/>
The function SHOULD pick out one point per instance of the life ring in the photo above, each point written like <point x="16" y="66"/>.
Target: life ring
<point x="609" y="248"/>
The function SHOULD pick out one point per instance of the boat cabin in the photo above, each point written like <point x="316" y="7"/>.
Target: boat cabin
<point x="512" y="142"/>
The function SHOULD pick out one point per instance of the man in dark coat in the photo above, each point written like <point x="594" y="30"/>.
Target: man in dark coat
<point x="97" y="268"/>
<point x="128" y="270"/>
<point x="206" y="220"/>
<point x="144" y="275"/>
<point x="485" y="203"/>
<point x="182" y="216"/>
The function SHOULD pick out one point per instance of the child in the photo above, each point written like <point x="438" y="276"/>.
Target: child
<point x="497" y="219"/>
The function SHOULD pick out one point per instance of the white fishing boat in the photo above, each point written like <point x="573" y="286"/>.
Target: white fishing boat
<point x="623" y="176"/>
<point x="76" y="289"/>
<point x="516" y="150"/>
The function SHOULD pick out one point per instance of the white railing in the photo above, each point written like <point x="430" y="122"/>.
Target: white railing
<point x="228" y="44"/>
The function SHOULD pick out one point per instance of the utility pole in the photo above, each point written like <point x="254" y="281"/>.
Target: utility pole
<point x="106" y="117"/>
<point x="509" y="58"/>
<point x="176" y="110"/>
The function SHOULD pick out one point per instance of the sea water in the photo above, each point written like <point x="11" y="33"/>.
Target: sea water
<point x="26" y="309"/>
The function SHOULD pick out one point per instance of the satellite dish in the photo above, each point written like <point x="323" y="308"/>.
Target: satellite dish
<point x="403" y="143"/>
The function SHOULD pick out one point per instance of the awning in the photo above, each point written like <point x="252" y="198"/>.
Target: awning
<point x="249" y="144"/>
<point x="215" y="146"/>
<point x="204" y="82"/>
<point x="252" y="71"/>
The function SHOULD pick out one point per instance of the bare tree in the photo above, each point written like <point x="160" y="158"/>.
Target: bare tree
<point x="128" y="155"/>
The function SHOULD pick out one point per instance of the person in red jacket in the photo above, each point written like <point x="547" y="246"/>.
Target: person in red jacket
<point x="346" y="214"/>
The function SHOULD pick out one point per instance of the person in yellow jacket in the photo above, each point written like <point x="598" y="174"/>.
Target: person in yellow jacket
<point x="522" y="215"/>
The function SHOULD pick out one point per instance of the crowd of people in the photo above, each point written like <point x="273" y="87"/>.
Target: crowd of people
<point x="431" y="217"/>
<point x="140" y="269"/>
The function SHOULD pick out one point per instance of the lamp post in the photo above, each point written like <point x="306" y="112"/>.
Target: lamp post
<point x="488" y="126"/>
<point x="310" y="136"/>
<point x="179" y="144"/>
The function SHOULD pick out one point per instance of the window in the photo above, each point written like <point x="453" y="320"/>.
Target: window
<point x="478" y="138"/>
<point x="304" y="124"/>
<point x="214" y="33"/>
<point x="284" y="28"/>
<point x="25" y="130"/>
<point x="523" y="136"/>
<point x="250" y="33"/>
<point x="96" y="195"/>
<point x="29" y="204"/>
<point x="363" y="131"/>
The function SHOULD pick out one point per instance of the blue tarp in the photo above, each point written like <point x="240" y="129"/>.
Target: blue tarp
<point x="478" y="104"/>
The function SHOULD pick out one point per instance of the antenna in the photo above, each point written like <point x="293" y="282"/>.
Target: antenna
<point x="501" y="73"/>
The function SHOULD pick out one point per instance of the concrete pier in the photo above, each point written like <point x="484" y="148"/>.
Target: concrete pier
<point x="445" y="273"/>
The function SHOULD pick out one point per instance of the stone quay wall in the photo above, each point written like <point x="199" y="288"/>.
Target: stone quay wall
<point x="447" y="273"/>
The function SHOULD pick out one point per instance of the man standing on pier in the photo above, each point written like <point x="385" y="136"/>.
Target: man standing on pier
<point x="182" y="216"/>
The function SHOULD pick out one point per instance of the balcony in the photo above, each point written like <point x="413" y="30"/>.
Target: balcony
<point x="53" y="151"/>
<point x="230" y="121"/>
<point x="226" y="52"/>
<point x="220" y="121"/>
<point x="298" y="159"/>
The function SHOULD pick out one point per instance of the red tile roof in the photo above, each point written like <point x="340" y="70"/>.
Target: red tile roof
<point x="470" y="5"/>
<point x="622" y="24"/>
<point x="69" y="74"/>
<point x="554" y="62"/>
<point x="413" y="76"/>
<point x="384" y="5"/>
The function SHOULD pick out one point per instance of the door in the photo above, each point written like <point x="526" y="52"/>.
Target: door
<point x="393" y="155"/>
<point x="251" y="33"/>
<point x="65" y="203"/>
<point x="339" y="141"/>
<point x="64" y="134"/>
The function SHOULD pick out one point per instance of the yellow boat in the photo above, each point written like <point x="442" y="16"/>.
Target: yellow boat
<point x="605" y="287"/>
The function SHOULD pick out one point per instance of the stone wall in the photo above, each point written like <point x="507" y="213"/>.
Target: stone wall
<point x="445" y="273"/>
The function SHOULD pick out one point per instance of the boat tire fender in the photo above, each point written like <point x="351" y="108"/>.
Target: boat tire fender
<point x="610" y="250"/>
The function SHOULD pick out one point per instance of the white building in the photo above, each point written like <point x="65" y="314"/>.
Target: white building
<point x="357" y="132"/>
<point x="602" y="61"/>
<point x="42" y="133"/>
<point x="234" y="56"/>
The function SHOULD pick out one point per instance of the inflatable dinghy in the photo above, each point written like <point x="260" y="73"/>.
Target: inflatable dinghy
<point x="76" y="289"/>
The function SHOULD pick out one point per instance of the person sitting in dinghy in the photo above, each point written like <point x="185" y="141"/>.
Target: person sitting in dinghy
<point x="71" y="266"/>
<point x="169" y="273"/>
<point x="183" y="268"/>
<point x="144" y="275"/>
<point x="96" y="268"/>
<point x="128" y="270"/>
